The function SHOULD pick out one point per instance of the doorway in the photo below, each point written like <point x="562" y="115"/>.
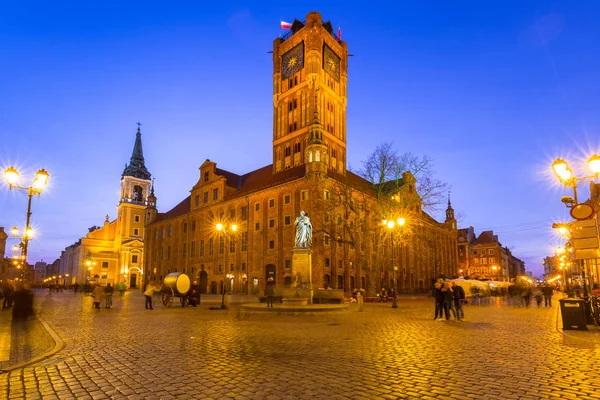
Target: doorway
<point x="203" y="282"/>
<point x="133" y="281"/>
<point x="271" y="272"/>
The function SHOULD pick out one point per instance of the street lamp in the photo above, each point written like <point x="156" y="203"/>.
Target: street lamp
<point x="566" y="177"/>
<point x="221" y="228"/>
<point x="39" y="183"/>
<point x="495" y="268"/>
<point x="89" y="263"/>
<point x="390" y="225"/>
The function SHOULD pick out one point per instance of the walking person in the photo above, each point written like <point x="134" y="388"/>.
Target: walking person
<point x="448" y="301"/>
<point x="108" y="292"/>
<point x="438" y="296"/>
<point x="270" y="291"/>
<point x="150" y="289"/>
<point x="194" y="294"/>
<point x="538" y="297"/>
<point x="547" y="292"/>
<point x="98" y="293"/>
<point x="459" y="299"/>
<point x="121" y="288"/>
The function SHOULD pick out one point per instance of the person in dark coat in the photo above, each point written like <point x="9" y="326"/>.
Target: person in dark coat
<point x="459" y="298"/>
<point x="194" y="294"/>
<point x="270" y="291"/>
<point x="448" y="300"/>
<point x="108" y="292"/>
<point x="547" y="292"/>
<point x="438" y="295"/>
<point x="23" y="303"/>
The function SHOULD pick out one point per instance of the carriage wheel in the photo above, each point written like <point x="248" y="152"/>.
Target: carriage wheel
<point x="167" y="297"/>
<point x="184" y="301"/>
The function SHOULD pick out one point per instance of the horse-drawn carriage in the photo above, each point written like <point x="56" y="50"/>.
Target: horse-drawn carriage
<point x="176" y="284"/>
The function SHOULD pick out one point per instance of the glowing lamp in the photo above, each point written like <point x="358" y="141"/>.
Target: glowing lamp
<point x="390" y="224"/>
<point x="219" y="227"/>
<point x="594" y="164"/>
<point x="401" y="221"/>
<point x="560" y="166"/>
<point x="11" y="175"/>
<point x="41" y="179"/>
<point x="234" y="227"/>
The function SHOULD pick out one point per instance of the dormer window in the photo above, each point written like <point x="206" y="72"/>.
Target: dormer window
<point x="206" y="177"/>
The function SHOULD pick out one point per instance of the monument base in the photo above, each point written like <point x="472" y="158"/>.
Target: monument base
<point x="302" y="274"/>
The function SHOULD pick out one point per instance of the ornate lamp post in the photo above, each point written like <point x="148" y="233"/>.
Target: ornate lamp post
<point x="391" y="225"/>
<point x="228" y="230"/>
<point x="39" y="183"/>
<point x="89" y="263"/>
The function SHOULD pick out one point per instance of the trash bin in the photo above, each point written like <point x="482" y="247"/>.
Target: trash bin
<point x="573" y="314"/>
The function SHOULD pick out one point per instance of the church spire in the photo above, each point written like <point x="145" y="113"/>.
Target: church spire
<point x="137" y="167"/>
<point x="449" y="210"/>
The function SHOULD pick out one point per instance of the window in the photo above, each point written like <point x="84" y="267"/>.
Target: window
<point x="134" y="259"/>
<point x="326" y="194"/>
<point x="205" y="197"/>
<point x="476" y="260"/>
<point x="243" y="266"/>
<point x="206" y="177"/>
<point x="287" y="152"/>
<point x="197" y="200"/>
<point x="297" y="146"/>
<point x="216" y="194"/>
<point x="104" y="264"/>
<point x="483" y="261"/>
<point x="287" y="199"/>
<point x="170" y="230"/>
<point x="339" y="242"/>
<point x="491" y="251"/>
<point x="271" y="223"/>
<point x="163" y="232"/>
<point x="327" y="238"/>
<point x="201" y="247"/>
<point x="327" y="263"/>
<point x="193" y="250"/>
<point x="221" y="245"/>
<point x="156" y="234"/>
<point x="231" y="245"/>
<point x="136" y="231"/>
<point x="137" y="219"/>
<point x="271" y="203"/>
<point x="220" y="268"/>
<point x="210" y="246"/>
<point x="257" y="207"/>
<point x="288" y="220"/>
<point x="185" y="227"/>
<point x="232" y="214"/>
<point x="304" y="195"/>
<point x="168" y="253"/>
<point x="245" y="213"/>
<point x="288" y="263"/>
<point x="231" y="267"/>
<point x="183" y="250"/>
<point x="474" y="252"/>
<point x="271" y="244"/>
<point x="491" y="260"/>
<point x="193" y="226"/>
<point x="244" y="241"/>
<point x="257" y="226"/>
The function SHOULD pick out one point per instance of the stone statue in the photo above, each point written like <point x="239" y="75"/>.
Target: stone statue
<point x="303" y="231"/>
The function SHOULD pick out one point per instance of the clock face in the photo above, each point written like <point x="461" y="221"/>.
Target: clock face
<point x="331" y="62"/>
<point x="292" y="61"/>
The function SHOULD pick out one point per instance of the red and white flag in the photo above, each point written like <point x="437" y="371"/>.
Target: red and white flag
<point x="285" y="25"/>
<point x="339" y="33"/>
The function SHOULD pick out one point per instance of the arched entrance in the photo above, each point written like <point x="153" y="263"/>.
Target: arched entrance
<point x="271" y="272"/>
<point x="326" y="281"/>
<point x="213" y="287"/>
<point x="203" y="282"/>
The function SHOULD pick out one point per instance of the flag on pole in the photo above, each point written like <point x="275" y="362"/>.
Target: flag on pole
<point x="339" y="33"/>
<point x="285" y="25"/>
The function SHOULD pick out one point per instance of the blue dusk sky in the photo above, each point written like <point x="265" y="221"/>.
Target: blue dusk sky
<point x="493" y="91"/>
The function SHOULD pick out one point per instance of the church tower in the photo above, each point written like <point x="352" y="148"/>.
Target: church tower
<point x="135" y="189"/>
<point x="450" y="220"/>
<point x="310" y="75"/>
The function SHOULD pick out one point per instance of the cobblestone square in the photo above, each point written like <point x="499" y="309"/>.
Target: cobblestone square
<point x="499" y="352"/>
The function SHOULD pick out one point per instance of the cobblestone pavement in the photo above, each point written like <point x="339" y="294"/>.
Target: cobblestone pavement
<point x="381" y="353"/>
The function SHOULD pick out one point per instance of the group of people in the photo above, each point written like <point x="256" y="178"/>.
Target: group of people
<point x="16" y="295"/>
<point x="449" y="298"/>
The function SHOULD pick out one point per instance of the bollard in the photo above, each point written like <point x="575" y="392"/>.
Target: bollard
<point x="359" y="299"/>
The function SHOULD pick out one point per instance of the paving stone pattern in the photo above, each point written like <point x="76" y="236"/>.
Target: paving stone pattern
<point x="381" y="353"/>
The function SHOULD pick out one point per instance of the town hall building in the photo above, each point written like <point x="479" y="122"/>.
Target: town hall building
<point x="233" y="232"/>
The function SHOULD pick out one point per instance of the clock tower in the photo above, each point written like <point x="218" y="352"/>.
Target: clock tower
<point x="310" y="75"/>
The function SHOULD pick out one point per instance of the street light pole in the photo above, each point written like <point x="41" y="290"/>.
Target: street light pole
<point x="391" y="225"/>
<point x="228" y="230"/>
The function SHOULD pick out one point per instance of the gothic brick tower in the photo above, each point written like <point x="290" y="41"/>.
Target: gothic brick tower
<point x="310" y="75"/>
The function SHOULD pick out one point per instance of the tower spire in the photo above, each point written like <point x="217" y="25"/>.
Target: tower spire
<point x="137" y="167"/>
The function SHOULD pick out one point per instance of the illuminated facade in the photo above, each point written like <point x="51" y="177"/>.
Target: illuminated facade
<point x="114" y="252"/>
<point x="308" y="173"/>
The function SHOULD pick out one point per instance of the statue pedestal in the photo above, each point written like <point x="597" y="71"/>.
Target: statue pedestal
<point x="302" y="273"/>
